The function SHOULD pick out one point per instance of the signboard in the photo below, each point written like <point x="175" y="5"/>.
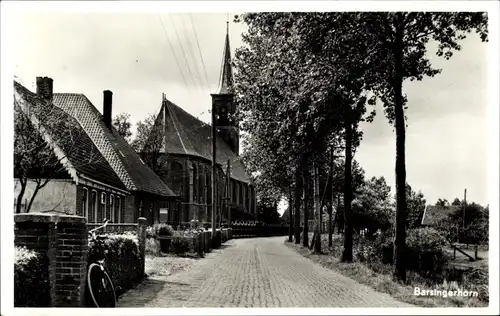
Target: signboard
<point x="163" y="215"/>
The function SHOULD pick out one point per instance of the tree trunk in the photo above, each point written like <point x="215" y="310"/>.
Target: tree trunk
<point x="317" y="210"/>
<point x="399" y="242"/>
<point x="20" y="196"/>
<point x="35" y="192"/>
<point x="305" y="233"/>
<point x="290" y="213"/>
<point x="330" y="207"/>
<point x="297" y="200"/>
<point x="347" y="254"/>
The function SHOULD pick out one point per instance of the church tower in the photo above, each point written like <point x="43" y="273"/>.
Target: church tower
<point x="223" y="102"/>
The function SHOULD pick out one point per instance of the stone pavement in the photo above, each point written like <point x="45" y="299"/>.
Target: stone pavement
<point x="258" y="272"/>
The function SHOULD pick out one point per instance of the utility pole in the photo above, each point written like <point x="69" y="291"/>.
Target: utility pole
<point x="228" y="193"/>
<point x="465" y="203"/>
<point x="214" y="171"/>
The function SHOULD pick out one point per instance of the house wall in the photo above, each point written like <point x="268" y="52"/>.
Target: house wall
<point x="58" y="195"/>
<point x="95" y="210"/>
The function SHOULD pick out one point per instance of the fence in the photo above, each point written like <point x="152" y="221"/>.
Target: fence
<point x="242" y="229"/>
<point x="118" y="228"/>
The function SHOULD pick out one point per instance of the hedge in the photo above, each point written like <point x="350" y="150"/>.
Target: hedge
<point x="424" y="252"/>
<point x="31" y="278"/>
<point x="123" y="260"/>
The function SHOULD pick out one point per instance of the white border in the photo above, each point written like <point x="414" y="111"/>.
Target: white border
<point x="7" y="10"/>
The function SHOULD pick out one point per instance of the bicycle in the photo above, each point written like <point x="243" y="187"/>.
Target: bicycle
<point x="99" y="283"/>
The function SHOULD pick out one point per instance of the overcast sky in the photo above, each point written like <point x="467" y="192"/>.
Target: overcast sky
<point x="447" y="137"/>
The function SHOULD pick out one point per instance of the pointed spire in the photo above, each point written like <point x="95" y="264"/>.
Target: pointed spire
<point x="226" y="74"/>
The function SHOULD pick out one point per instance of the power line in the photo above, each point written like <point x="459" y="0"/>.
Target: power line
<point x="199" y="51"/>
<point x="173" y="51"/>
<point x="190" y="49"/>
<point x="183" y="52"/>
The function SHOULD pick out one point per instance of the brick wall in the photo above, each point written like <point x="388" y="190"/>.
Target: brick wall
<point x="64" y="240"/>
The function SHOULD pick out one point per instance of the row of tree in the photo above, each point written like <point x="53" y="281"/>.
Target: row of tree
<point x="303" y="85"/>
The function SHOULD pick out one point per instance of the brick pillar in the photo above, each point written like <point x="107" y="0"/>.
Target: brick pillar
<point x="141" y="235"/>
<point x="65" y="242"/>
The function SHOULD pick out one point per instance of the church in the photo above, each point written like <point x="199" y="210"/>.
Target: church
<point x="185" y="150"/>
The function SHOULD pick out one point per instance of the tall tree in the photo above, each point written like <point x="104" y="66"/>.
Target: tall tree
<point x="148" y="142"/>
<point x="122" y="124"/>
<point x="402" y="39"/>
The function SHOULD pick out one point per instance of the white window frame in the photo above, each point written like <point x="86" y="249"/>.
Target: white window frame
<point x="85" y="208"/>
<point x="96" y="205"/>
<point x="112" y="208"/>
<point x="118" y="203"/>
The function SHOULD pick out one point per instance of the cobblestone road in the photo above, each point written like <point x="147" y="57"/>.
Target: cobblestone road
<point x="259" y="272"/>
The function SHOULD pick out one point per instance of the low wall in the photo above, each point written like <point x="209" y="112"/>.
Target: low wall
<point x="62" y="239"/>
<point x="63" y="247"/>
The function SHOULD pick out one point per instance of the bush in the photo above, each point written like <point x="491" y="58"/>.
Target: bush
<point x="123" y="260"/>
<point x="424" y="252"/>
<point x="31" y="278"/>
<point x="163" y="230"/>
<point x="181" y="245"/>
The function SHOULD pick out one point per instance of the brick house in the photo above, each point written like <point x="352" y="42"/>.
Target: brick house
<point x="186" y="152"/>
<point x="115" y="183"/>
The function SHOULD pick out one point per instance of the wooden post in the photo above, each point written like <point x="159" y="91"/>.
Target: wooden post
<point x="465" y="203"/>
<point x="141" y="235"/>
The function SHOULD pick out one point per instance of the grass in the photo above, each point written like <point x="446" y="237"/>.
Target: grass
<point x="379" y="277"/>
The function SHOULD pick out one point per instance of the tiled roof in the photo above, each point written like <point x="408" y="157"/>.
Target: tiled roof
<point x="187" y="135"/>
<point x="434" y="213"/>
<point x="80" y="151"/>
<point x="127" y="164"/>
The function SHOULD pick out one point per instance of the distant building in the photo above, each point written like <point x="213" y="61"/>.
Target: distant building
<point x="115" y="184"/>
<point x="187" y="153"/>
<point x="433" y="214"/>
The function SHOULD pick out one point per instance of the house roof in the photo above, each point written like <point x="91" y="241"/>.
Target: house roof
<point x="187" y="135"/>
<point x="79" y="149"/>
<point x="126" y="163"/>
<point x="435" y="213"/>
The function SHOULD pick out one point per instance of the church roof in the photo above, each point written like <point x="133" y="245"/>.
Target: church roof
<point x="184" y="134"/>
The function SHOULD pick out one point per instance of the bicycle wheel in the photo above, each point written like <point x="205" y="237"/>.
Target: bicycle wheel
<point x="100" y="287"/>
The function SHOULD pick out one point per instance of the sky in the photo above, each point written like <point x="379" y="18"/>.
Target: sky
<point x="141" y="56"/>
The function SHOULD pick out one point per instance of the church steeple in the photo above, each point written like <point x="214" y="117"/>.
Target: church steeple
<point x="223" y="102"/>
<point x="226" y="74"/>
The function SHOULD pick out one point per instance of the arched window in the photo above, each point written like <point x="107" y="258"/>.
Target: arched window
<point x="201" y="186"/>
<point x="112" y="213"/>
<point x="85" y="203"/>
<point x="93" y="207"/>
<point x="118" y="209"/>
<point x="194" y="181"/>
<point x="233" y="192"/>
<point x="176" y="176"/>
<point x="238" y="193"/>
<point x="102" y="208"/>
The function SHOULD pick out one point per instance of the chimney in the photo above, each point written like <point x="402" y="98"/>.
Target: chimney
<point x="44" y="86"/>
<point x="107" y="107"/>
